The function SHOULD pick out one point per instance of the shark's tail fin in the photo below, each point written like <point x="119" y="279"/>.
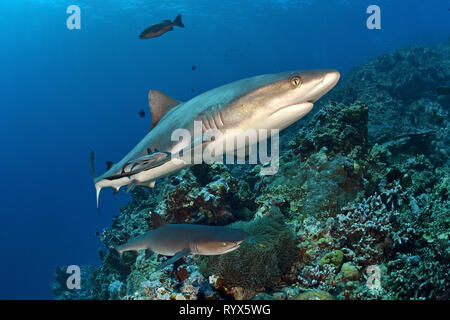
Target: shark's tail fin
<point x="97" y="192"/>
<point x="91" y="165"/>
<point x="177" y="21"/>
<point x="94" y="176"/>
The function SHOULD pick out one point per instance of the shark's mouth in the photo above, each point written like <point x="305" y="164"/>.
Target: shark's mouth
<point x="232" y="248"/>
<point x="236" y="246"/>
<point x="289" y="114"/>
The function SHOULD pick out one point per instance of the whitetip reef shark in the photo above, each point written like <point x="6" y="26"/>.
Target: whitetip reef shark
<point x="179" y="240"/>
<point x="270" y="101"/>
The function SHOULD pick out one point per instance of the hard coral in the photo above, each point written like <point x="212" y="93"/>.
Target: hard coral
<point x="260" y="261"/>
<point x="364" y="230"/>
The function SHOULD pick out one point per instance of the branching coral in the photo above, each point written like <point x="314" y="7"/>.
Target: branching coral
<point x="365" y="230"/>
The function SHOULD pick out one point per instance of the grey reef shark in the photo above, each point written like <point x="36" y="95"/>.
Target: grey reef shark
<point x="160" y="28"/>
<point x="179" y="240"/>
<point x="264" y="102"/>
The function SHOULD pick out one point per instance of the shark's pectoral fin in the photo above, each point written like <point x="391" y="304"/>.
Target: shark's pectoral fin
<point x="173" y="259"/>
<point x="159" y="104"/>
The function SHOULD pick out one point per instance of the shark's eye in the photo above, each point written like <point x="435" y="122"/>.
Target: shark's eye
<point x="295" y="81"/>
<point x="224" y="244"/>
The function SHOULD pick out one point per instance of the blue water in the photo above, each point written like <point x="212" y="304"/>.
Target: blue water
<point x="66" y="92"/>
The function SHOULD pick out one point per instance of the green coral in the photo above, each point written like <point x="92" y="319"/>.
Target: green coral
<point x="267" y="254"/>
<point x="335" y="258"/>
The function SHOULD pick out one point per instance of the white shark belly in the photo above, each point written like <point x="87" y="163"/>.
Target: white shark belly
<point x="144" y="177"/>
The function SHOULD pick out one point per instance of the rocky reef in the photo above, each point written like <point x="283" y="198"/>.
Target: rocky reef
<point x="358" y="210"/>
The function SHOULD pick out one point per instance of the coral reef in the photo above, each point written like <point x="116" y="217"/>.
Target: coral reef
<point x="59" y="286"/>
<point x="405" y="110"/>
<point x="261" y="260"/>
<point x="358" y="210"/>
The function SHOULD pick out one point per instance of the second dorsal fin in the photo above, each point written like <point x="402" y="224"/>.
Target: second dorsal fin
<point x="159" y="104"/>
<point x="109" y="164"/>
<point x="157" y="220"/>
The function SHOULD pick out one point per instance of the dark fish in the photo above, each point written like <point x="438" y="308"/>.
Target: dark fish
<point x="193" y="67"/>
<point x="159" y="29"/>
<point x="192" y="89"/>
<point x="443" y="91"/>
<point x="142" y="113"/>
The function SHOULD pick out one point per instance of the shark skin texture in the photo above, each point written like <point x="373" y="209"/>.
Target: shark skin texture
<point x="264" y="102"/>
<point x="179" y="240"/>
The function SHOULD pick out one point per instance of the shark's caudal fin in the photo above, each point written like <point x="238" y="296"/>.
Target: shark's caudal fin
<point x="97" y="191"/>
<point x="91" y="165"/>
<point x="178" y="22"/>
<point x="94" y="176"/>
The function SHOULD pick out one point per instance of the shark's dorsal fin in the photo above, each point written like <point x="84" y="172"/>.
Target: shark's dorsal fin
<point x="159" y="104"/>
<point x="157" y="220"/>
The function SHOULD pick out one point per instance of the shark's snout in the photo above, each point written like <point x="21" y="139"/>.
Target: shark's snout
<point x="329" y="78"/>
<point x="238" y="244"/>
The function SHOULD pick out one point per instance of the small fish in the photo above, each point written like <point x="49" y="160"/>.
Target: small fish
<point x="192" y="89"/>
<point x="159" y="29"/>
<point x="261" y="245"/>
<point x="443" y="91"/>
<point x="141" y="113"/>
<point x="194" y="67"/>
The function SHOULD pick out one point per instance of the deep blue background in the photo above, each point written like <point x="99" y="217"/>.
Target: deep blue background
<point x="64" y="93"/>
